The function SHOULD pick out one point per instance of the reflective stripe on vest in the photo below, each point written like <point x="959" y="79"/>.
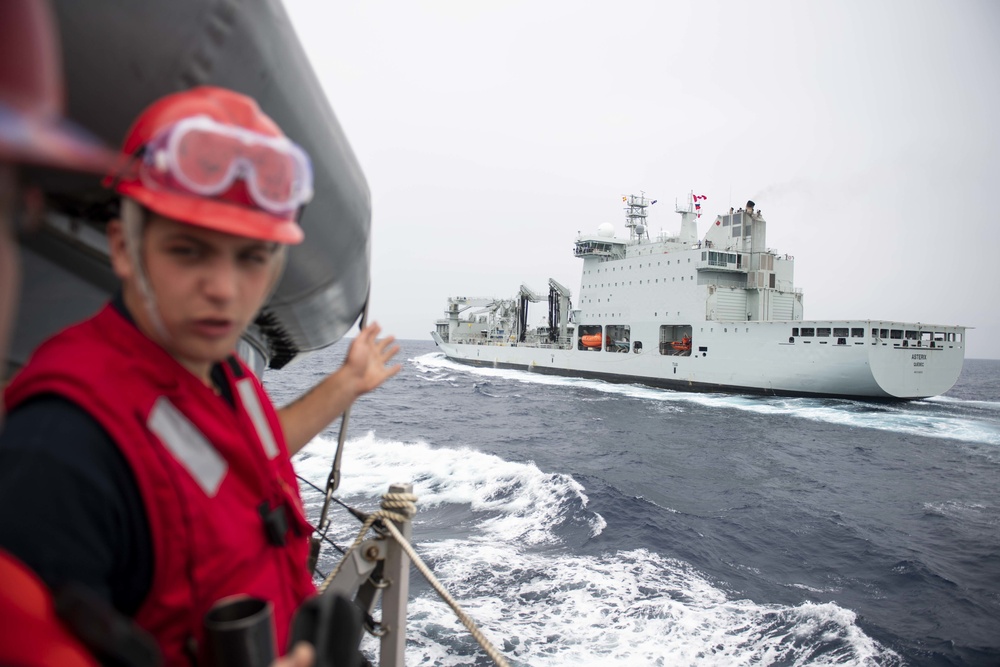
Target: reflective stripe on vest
<point x="251" y="403"/>
<point x="188" y="445"/>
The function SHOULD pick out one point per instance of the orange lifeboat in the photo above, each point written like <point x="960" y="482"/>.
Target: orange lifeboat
<point x="591" y="340"/>
<point x="682" y="345"/>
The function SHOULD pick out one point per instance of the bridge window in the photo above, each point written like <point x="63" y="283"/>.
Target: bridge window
<point x="912" y="335"/>
<point x="795" y="331"/>
<point x="858" y="332"/>
<point x="896" y="334"/>
<point x="808" y="331"/>
<point x="840" y="331"/>
<point x="823" y="331"/>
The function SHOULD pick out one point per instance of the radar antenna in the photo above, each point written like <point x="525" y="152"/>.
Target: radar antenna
<point x="635" y="216"/>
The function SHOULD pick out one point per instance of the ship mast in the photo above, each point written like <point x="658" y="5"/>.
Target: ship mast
<point x="635" y="216"/>
<point x="689" y="218"/>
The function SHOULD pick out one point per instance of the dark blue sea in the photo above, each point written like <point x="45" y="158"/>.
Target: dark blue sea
<point x="584" y="523"/>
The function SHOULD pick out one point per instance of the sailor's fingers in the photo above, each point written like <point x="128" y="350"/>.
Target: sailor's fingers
<point x="392" y="370"/>
<point x="302" y="655"/>
<point x="371" y="331"/>
<point x="384" y="344"/>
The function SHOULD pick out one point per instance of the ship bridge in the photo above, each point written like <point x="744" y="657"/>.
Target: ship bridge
<point x="599" y="247"/>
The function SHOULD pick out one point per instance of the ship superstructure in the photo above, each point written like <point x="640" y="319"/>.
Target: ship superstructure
<point x="719" y="313"/>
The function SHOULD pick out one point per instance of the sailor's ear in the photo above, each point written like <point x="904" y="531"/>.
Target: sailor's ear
<point x="121" y="263"/>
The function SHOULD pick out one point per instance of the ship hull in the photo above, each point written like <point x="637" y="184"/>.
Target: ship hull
<point x="751" y="357"/>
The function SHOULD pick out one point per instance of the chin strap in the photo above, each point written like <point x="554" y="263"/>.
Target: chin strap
<point x="133" y="224"/>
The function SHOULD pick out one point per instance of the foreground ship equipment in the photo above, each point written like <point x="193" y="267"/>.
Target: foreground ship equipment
<point x="379" y="567"/>
<point x="719" y="313"/>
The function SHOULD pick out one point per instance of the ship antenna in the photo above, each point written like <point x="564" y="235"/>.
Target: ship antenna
<point x="635" y="215"/>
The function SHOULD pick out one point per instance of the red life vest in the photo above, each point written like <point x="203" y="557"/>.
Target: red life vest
<point x="208" y="475"/>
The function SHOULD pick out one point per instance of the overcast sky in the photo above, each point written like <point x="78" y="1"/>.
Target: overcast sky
<point x="492" y="132"/>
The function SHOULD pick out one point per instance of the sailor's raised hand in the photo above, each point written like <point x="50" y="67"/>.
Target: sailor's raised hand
<point x="367" y="359"/>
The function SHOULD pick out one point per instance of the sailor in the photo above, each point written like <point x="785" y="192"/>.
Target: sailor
<point x="749" y="208"/>
<point x="142" y="457"/>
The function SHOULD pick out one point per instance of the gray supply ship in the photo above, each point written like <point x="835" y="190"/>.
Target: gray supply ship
<point x="720" y="313"/>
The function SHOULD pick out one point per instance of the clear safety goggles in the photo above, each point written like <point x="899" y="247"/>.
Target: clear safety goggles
<point x="205" y="158"/>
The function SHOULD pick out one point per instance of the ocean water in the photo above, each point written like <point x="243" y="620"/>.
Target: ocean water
<point x="585" y="523"/>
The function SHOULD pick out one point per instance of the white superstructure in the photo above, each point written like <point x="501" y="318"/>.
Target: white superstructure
<point x="717" y="314"/>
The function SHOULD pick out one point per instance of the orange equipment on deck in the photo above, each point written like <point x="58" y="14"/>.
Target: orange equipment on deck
<point x="591" y="340"/>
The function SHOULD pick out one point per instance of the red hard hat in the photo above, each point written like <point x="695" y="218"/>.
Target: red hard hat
<point x="32" y="127"/>
<point x="231" y="212"/>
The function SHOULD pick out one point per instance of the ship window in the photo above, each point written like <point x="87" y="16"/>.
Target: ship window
<point x="689" y="260"/>
<point x="808" y="331"/>
<point x="682" y="278"/>
<point x="725" y="221"/>
<point x="858" y="333"/>
<point x="736" y="231"/>
<point x="912" y="335"/>
<point x="896" y="333"/>
<point x="795" y="331"/>
<point x="732" y="259"/>
<point x="883" y="333"/>
<point x="726" y="330"/>
<point x="840" y="331"/>
<point x="958" y="338"/>
<point x="841" y="341"/>
<point x="823" y="331"/>
<point x="938" y="335"/>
